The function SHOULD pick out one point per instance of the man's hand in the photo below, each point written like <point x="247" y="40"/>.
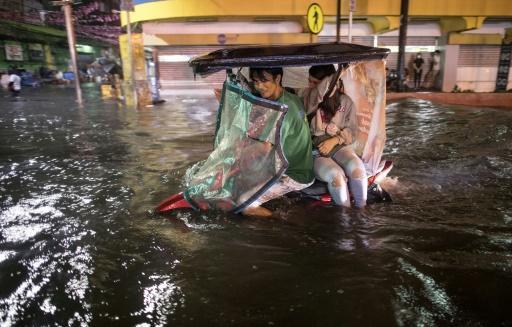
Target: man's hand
<point x="218" y="93"/>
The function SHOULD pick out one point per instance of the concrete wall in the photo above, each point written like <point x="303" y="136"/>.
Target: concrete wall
<point x="479" y="79"/>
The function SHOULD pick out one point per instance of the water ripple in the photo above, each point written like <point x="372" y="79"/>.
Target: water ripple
<point x="161" y="299"/>
<point x="80" y="245"/>
<point x="412" y="309"/>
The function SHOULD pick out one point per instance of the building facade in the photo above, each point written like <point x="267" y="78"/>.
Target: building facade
<point x="470" y="34"/>
<point x="32" y="34"/>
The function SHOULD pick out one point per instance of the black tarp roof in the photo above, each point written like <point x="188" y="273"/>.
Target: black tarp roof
<point x="284" y="55"/>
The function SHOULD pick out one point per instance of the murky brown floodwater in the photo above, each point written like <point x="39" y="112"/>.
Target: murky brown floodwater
<point x="79" y="244"/>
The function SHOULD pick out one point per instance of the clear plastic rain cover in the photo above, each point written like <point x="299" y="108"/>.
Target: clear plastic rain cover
<point x="247" y="156"/>
<point x="244" y="164"/>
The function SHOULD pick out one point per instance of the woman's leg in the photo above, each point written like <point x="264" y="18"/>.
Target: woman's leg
<point x="327" y="170"/>
<point x="356" y="173"/>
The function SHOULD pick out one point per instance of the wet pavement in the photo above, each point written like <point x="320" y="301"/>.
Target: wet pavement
<point x="79" y="243"/>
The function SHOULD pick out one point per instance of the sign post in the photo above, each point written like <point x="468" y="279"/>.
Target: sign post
<point x="315" y="17"/>
<point x="338" y="20"/>
<point x="351" y="10"/>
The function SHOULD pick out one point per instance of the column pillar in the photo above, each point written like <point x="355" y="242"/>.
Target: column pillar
<point x="139" y="70"/>
<point x="449" y="62"/>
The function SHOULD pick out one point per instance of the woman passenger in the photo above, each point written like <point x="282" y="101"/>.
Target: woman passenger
<point x="333" y="128"/>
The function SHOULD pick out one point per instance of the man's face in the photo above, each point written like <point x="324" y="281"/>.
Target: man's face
<point x="268" y="87"/>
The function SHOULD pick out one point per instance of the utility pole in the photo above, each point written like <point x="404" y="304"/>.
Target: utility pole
<point x="338" y="20"/>
<point x="350" y="14"/>
<point x="402" y="38"/>
<point x="70" y="30"/>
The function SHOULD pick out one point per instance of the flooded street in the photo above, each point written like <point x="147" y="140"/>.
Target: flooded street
<point x="79" y="244"/>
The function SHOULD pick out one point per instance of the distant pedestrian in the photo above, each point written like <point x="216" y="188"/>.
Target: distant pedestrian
<point x="431" y="77"/>
<point x="436" y="68"/>
<point x="418" y="70"/>
<point x="14" y="83"/>
<point x="4" y="80"/>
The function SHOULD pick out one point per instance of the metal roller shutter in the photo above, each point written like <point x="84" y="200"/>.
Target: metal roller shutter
<point x="388" y="41"/>
<point x="479" y="56"/>
<point x="477" y="67"/>
<point x="391" y="60"/>
<point x="415" y="41"/>
<point x="175" y="73"/>
<point x="363" y="40"/>
<point x="385" y="41"/>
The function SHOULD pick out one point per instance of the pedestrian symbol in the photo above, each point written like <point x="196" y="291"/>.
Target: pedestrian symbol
<point x="315" y="18"/>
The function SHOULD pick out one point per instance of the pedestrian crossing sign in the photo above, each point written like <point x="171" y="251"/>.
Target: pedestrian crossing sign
<point x="315" y="18"/>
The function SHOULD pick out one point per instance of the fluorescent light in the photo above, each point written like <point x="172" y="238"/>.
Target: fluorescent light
<point x="173" y="58"/>
<point x="412" y="48"/>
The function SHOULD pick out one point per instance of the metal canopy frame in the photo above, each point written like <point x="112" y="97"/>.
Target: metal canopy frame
<point x="284" y="55"/>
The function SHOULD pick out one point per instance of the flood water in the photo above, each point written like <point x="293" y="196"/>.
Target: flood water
<point x="79" y="244"/>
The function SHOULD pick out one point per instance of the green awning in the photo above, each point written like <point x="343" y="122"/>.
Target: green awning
<point x="36" y="28"/>
<point x="37" y="33"/>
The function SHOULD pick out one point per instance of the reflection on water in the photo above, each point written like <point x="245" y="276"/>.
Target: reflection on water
<point x="79" y="243"/>
<point x="424" y="304"/>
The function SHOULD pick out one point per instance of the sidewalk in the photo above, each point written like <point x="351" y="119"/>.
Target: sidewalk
<point x="199" y="92"/>
<point x="501" y="100"/>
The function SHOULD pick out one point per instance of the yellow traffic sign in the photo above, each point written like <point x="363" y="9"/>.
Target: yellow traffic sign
<point x="315" y="18"/>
